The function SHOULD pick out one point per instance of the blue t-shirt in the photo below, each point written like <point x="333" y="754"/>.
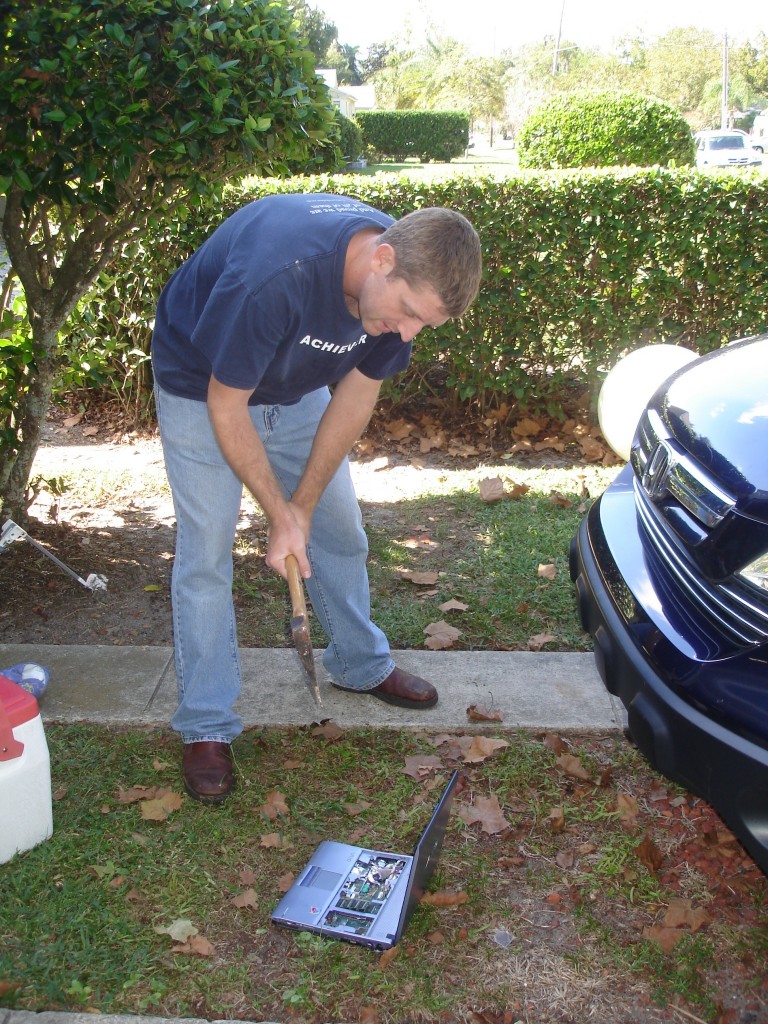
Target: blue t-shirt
<point x="260" y="305"/>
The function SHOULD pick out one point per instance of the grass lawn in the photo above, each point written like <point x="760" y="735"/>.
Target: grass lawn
<point x="575" y="884"/>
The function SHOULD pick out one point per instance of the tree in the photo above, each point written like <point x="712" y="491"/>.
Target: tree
<point x="375" y="59"/>
<point x="532" y="79"/>
<point x="320" y="33"/>
<point x="343" y="59"/>
<point x="477" y="87"/>
<point x="680" y="64"/>
<point x="111" y="115"/>
<point x="323" y="40"/>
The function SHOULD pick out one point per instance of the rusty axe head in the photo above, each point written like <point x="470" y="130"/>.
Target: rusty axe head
<point x="300" y="626"/>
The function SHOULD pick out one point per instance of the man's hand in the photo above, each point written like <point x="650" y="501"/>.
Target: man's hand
<point x="286" y="538"/>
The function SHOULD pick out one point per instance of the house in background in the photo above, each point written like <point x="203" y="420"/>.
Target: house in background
<point x="348" y="98"/>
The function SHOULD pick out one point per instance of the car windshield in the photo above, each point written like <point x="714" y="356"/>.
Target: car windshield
<point x="727" y="142"/>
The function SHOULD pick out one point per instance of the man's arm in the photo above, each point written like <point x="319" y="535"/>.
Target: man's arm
<point x="346" y="417"/>
<point x="242" y="448"/>
<point x="342" y="423"/>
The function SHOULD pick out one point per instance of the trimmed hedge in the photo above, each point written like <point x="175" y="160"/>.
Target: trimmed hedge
<point x="351" y="140"/>
<point x="579" y="267"/>
<point x="605" y="129"/>
<point x="426" y="134"/>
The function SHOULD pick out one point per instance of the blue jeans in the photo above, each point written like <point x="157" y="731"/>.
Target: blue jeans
<point x="207" y="497"/>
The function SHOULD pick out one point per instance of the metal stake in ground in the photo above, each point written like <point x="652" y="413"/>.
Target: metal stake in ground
<point x="300" y="626"/>
<point x="11" y="532"/>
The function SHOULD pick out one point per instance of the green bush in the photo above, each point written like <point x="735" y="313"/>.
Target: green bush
<point x="580" y="267"/>
<point x="426" y="134"/>
<point x="351" y="137"/>
<point x="605" y="129"/>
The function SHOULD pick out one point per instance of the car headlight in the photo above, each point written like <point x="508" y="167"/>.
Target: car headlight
<point x="756" y="572"/>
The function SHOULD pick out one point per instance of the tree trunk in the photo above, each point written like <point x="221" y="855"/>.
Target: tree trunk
<point x="13" y="498"/>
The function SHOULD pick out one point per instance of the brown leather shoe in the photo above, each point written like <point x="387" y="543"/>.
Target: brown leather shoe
<point x="405" y="691"/>
<point x="208" y="772"/>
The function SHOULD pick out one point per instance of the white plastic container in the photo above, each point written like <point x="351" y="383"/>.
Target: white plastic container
<point x="26" y="808"/>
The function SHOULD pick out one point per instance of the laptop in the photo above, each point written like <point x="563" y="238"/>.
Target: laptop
<point x="365" y="896"/>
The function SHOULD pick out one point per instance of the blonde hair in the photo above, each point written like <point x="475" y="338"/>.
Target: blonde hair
<point x="438" y="248"/>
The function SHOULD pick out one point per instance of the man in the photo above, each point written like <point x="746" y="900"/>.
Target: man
<point x="291" y="294"/>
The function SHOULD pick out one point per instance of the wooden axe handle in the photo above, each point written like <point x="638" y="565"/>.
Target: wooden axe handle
<point x="296" y="586"/>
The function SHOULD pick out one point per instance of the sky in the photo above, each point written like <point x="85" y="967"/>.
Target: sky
<point x="489" y="26"/>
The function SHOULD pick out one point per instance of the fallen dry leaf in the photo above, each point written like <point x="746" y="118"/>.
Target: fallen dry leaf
<point x="436" y="440"/>
<point x="164" y="803"/>
<point x="592" y="450"/>
<point x="247" y="876"/>
<point x="555" y="743"/>
<point x="535" y="643"/>
<point x="328" y="731"/>
<point x="547" y="443"/>
<point x="445" y="898"/>
<point x="285" y="882"/>
<point x="572" y="766"/>
<point x="453" y="606"/>
<point x="485" y="811"/>
<point x="565" y="859"/>
<point x="440" y="635"/>
<point x="198" y="945"/>
<point x="516" y="490"/>
<point x="275" y="806"/>
<point x="649" y="854"/>
<point x="682" y="914"/>
<point x="388" y="956"/>
<point x="419" y="765"/>
<point x="560" y="499"/>
<point x="627" y="809"/>
<point x="478" y="713"/>
<point x="420" y="578"/>
<point x="527" y="427"/>
<point x="483" y="747"/>
<point x="130" y="796"/>
<point x="491" y="490"/>
<point x="665" y="938"/>
<point x="357" y="808"/>
<point x="274" y="841"/>
<point x="245" y="900"/>
<point x="369" y="1015"/>
<point x="557" y="819"/>
<point x="398" y="430"/>
<point x="547" y="572"/>
<point x="179" y="930"/>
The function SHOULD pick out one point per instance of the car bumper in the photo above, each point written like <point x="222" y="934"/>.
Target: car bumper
<point x="727" y="769"/>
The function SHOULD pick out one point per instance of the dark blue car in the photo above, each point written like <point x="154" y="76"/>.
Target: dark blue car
<point x="671" y="573"/>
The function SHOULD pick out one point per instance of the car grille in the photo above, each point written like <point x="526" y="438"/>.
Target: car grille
<point x="665" y="480"/>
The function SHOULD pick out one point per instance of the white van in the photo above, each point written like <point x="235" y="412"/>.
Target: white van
<point x="721" y="147"/>
<point x="759" y="134"/>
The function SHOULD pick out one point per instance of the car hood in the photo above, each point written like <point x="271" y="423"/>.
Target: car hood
<point x="717" y="409"/>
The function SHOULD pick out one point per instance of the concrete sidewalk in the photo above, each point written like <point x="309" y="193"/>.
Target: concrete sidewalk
<point x="123" y="685"/>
